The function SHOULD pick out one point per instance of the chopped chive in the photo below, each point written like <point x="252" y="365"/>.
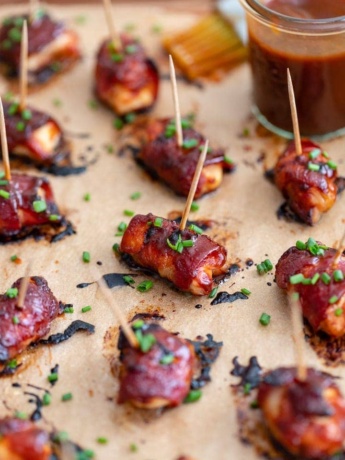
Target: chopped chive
<point x="265" y="319"/>
<point x="87" y="197"/>
<point x="338" y="275"/>
<point x="12" y="364"/>
<point x="54" y="217"/>
<point x="145" y="286"/>
<point x="261" y="269"/>
<point x="300" y="245"/>
<point x="228" y="160"/>
<point x="190" y="143"/>
<point x="20" y="126"/>
<point x="46" y="400"/>
<point x="2" y="174"/>
<point x="21" y="415"/>
<point x="14" y="258"/>
<point x="158" y="222"/>
<point x="213" y="293"/>
<point x="12" y="293"/>
<point x="167" y="359"/>
<point x="68" y="310"/>
<point x="15" y="319"/>
<point x="133" y="447"/>
<point x="338" y="312"/>
<point x="128" y="212"/>
<point x="86" y="257"/>
<point x="196" y="229"/>
<point x="315" y="278"/>
<point x="314" y="154"/>
<point x="118" y="123"/>
<point x="325" y="278"/>
<point x="13" y="108"/>
<point x="194" y="207"/>
<point x="129" y="117"/>
<point x="66" y="397"/>
<point x="193" y="396"/>
<point x="325" y="154"/>
<point x="39" y="206"/>
<point x="128" y="279"/>
<point x="245" y="291"/>
<point x="4" y="182"/>
<point x="53" y="377"/>
<point x="146" y="341"/>
<point x="102" y="440"/>
<point x="138" y="324"/>
<point x="61" y="437"/>
<point x="116" y="248"/>
<point x="131" y="49"/>
<point x="122" y="227"/>
<point x="135" y="196"/>
<point x="296" y="279"/>
<point x="246" y="388"/>
<point x="6" y="44"/>
<point x="93" y="104"/>
<point x="188" y="243"/>
<point x="116" y="57"/>
<point x="313" y="166"/>
<point x="332" y="164"/>
<point x="26" y="114"/>
<point x="268" y="264"/>
<point x="86" y="309"/>
<point x="333" y="299"/>
<point x="245" y="132"/>
<point x="15" y="35"/>
<point x="306" y="281"/>
<point x="4" y="194"/>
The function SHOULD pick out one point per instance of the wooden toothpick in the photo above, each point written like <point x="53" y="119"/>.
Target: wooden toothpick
<point x="179" y="134"/>
<point x="294" y="116"/>
<point x="340" y="250"/>
<point x="24" y="66"/>
<point x="193" y="187"/>
<point x="109" y="17"/>
<point x="24" y="286"/>
<point x="297" y="332"/>
<point x="4" y="146"/>
<point x="127" y="330"/>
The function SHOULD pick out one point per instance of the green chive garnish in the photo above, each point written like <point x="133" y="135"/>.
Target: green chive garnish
<point x="87" y="197"/>
<point x="213" y="293"/>
<point x="86" y="257"/>
<point x="66" y="397"/>
<point x="325" y="278"/>
<point x="313" y="166"/>
<point x="245" y="291"/>
<point x="128" y="279"/>
<point x="39" y="206"/>
<point x="190" y="143"/>
<point x="167" y="359"/>
<point x="145" y="286"/>
<point x="135" y="196"/>
<point x="338" y="312"/>
<point x="338" y="275"/>
<point x="333" y="299"/>
<point x="193" y="396"/>
<point x="4" y="194"/>
<point x="158" y="222"/>
<point x="12" y="293"/>
<point x="265" y="319"/>
<point x="86" y="309"/>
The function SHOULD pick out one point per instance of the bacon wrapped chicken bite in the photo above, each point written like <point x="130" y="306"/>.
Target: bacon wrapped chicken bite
<point x="27" y="207"/>
<point x="306" y="417"/>
<point x="126" y="79"/>
<point x="307" y="181"/>
<point x="53" y="48"/>
<point x="186" y="258"/>
<point x="22" y="440"/>
<point x="35" y="135"/>
<point x="158" y="373"/>
<point x="310" y="269"/>
<point x="175" y="165"/>
<point x="19" y="327"/>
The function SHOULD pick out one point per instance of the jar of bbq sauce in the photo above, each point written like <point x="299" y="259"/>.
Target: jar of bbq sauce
<point x="308" y="37"/>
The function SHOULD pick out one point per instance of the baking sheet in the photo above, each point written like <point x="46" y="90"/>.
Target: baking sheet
<point x="244" y="211"/>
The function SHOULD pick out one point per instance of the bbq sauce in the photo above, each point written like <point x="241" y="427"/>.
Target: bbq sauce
<point x="316" y="63"/>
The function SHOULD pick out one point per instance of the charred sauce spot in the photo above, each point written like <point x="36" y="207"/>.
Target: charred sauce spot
<point x="74" y="327"/>
<point x="207" y="352"/>
<point x="112" y="280"/>
<point x="250" y="374"/>
<point x="226" y="297"/>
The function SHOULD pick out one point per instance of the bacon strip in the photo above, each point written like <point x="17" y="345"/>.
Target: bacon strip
<point x="145" y="381"/>
<point x="52" y="47"/>
<point x="191" y="270"/>
<point x="307" y="418"/>
<point x="126" y="80"/>
<point x="22" y="440"/>
<point x="18" y="217"/>
<point x="309" y="193"/>
<point x="315" y="298"/>
<point x="19" y="327"/>
<point x="175" y="165"/>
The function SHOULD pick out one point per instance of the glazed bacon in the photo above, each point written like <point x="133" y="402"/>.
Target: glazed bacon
<point x="19" y="327"/>
<point x="307" y="181"/>
<point x="320" y="284"/>
<point x="22" y="440"/>
<point x="160" y="376"/>
<point x="126" y="80"/>
<point x="175" y="165"/>
<point x="190" y="266"/>
<point x="52" y="47"/>
<point x="34" y="135"/>
<point x="306" y="417"/>
<point x="27" y="204"/>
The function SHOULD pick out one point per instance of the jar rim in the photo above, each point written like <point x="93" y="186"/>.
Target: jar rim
<point x="281" y="21"/>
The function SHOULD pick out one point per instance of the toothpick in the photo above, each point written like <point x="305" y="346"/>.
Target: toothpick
<point x="109" y="17"/>
<point x="294" y="116"/>
<point x="24" y="66"/>
<point x="4" y="146"/>
<point x="127" y="330"/>
<point x="179" y="134"/>
<point x="297" y="332"/>
<point x="340" y="250"/>
<point x="24" y="286"/>
<point x="34" y="7"/>
<point x="193" y="187"/>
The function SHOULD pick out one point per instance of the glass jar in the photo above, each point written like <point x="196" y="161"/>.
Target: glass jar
<point x="314" y="51"/>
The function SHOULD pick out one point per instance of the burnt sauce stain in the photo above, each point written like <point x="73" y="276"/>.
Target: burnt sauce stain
<point x="330" y="350"/>
<point x="154" y="316"/>
<point x="231" y="271"/>
<point x="340" y="183"/>
<point x="112" y="280"/>
<point x="250" y="374"/>
<point x="51" y="233"/>
<point x="74" y="327"/>
<point x="38" y="402"/>
<point x="63" y="171"/>
<point x="207" y="352"/>
<point x="285" y="213"/>
<point x="9" y="370"/>
<point x="226" y="297"/>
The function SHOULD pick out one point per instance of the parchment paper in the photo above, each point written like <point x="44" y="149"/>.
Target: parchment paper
<point x="244" y="209"/>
